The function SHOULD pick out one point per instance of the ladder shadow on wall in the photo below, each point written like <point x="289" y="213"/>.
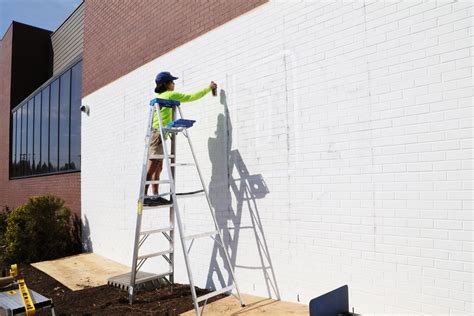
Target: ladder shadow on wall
<point x="244" y="189"/>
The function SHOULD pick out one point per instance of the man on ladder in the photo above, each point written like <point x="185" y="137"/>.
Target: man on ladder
<point x="161" y="119"/>
<point x="165" y="90"/>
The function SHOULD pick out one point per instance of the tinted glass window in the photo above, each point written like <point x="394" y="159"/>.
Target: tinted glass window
<point x="76" y="89"/>
<point x="64" y="111"/>
<point x="53" y="126"/>
<point x="24" y="124"/>
<point x="45" y="130"/>
<point x="29" y="139"/>
<point x="18" y="142"/>
<point x="13" y="149"/>
<point x="37" y="135"/>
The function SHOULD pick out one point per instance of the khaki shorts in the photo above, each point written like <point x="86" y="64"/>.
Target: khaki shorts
<point x="156" y="145"/>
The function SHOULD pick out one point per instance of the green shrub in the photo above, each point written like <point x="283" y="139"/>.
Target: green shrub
<point x="3" y="225"/>
<point x="42" y="229"/>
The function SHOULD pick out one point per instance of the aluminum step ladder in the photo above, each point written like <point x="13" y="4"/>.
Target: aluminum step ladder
<point x="176" y="127"/>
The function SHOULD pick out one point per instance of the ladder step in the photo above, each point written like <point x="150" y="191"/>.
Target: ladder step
<point x="170" y="129"/>
<point x="175" y="129"/>
<point x="215" y="293"/>
<point x="154" y="231"/>
<point x="152" y="277"/>
<point x="158" y="206"/>
<point x="180" y="194"/>
<point x="155" y="254"/>
<point x="194" y="236"/>
<point x="151" y="157"/>
<point x="157" y="182"/>
<point x="182" y="164"/>
<point x="158" y="195"/>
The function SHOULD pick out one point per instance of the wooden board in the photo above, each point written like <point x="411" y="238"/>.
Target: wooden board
<point x="82" y="271"/>
<point x="254" y="306"/>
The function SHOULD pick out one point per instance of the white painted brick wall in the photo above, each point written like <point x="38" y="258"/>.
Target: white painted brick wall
<point x="357" y="115"/>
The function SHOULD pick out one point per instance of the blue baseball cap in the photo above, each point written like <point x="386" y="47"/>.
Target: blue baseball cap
<point x="164" y="76"/>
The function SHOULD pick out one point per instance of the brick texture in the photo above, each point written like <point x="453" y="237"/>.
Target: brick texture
<point x="341" y="150"/>
<point x="66" y="186"/>
<point x="121" y="35"/>
<point x="5" y="79"/>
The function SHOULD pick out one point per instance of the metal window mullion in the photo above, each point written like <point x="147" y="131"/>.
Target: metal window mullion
<point x="49" y="125"/>
<point x="33" y="136"/>
<point x="25" y="169"/>
<point x="18" y="150"/>
<point x="70" y="116"/>
<point x="12" y="158"/>
<point x="16" y="127"/>
<point x="20" y="169"/>
<point x="41" y="128"/>
<point x="19" y="156"/>
<point x="11" y="137"/>
<point x="26" y="142"/>
<point x="16" y="147"/>
<point x="59" y="121"/>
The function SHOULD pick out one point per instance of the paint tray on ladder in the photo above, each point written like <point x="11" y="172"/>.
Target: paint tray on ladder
<point x="181" y="123"/>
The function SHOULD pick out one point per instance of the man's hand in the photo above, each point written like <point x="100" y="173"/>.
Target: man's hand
<point x="213" y="87"/>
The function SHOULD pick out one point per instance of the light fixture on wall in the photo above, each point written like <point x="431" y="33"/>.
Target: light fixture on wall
<point x="85" y="109"/>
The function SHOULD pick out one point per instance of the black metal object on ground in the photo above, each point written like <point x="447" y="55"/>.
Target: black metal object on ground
<point x="333" y="303"/>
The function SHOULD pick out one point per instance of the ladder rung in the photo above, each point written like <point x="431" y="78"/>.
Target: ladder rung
<point x="157" y="182"/>
<point x="214" y="232"/>
<point x="154" y="231"/>
<point x="174" y="129"/>
<point x="182" y="164"/>
<point x="152" y="277"/>
<point x="158" y="206"/>
<point x="155" y="254"/>
<point x="159" y="156"/>
<point x="158" y="195"/>
<point x="215" y="293"/>
<point x="184" y="196"/>
<point x="190" y="193"/>
<point x="170" y="129"/>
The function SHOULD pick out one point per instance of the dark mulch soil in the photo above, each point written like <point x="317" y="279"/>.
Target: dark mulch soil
<point x="107" y="300"/>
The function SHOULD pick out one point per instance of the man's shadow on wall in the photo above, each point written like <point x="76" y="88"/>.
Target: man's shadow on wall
<point x="245" y="189"/>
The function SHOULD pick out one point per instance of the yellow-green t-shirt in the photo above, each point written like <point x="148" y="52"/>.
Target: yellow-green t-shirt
<point x="167" y="113"/>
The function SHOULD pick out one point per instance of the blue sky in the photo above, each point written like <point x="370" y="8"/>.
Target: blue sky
<point x="46" y="14"/>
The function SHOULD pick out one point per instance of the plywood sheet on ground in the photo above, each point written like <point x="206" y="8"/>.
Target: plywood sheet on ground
<point x="82" y="271"/>
<point x="254" y="306"/>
